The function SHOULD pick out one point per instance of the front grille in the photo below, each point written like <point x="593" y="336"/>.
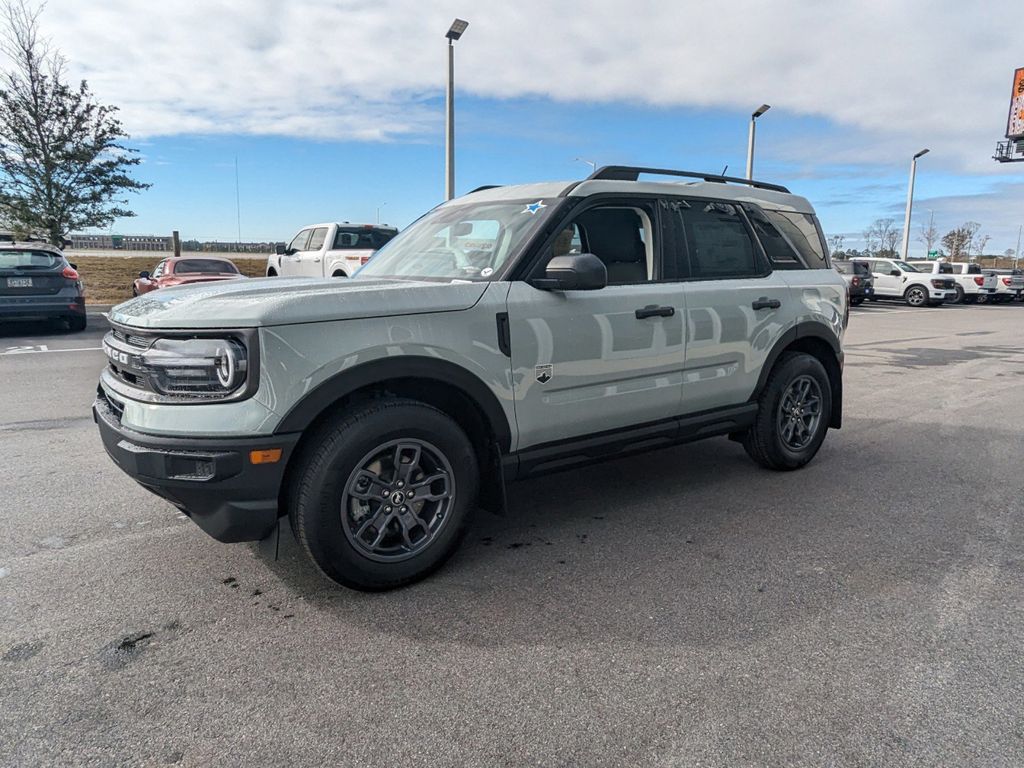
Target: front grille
<point x="131" y="339"/>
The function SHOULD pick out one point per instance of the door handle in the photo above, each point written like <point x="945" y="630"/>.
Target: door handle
<point x="765" y="303"/>
<point x="653" y="310"/>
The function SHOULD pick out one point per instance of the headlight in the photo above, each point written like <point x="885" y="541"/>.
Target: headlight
<point x="196" y="368"/>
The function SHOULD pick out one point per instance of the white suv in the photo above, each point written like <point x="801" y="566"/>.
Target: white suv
<point x="896" y="279"/>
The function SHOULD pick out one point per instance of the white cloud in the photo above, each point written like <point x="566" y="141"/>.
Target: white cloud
<point x="902" y="73"/>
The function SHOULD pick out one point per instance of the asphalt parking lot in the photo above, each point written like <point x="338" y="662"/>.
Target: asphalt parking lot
<point x="679" y="608"/>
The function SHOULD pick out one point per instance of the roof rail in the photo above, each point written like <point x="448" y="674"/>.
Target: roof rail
<point x="632" y="173"/>
<point x="485" y="186"/>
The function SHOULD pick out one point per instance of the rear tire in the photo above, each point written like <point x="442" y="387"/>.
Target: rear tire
<point x="959" y="298"/>
<point x="77" y="323"/>
<point x="793" y="414"/>
<point x="387" y="448"/>
<point x="271" y="272"/>
<point x="857" y="302"/>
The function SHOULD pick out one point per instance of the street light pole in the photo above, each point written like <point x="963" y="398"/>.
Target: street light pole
<point x="910" y="204"/>
<point x="454" y="33"/>
<point x="750" y="138"/>
<point x="378" y="211"/>
<point x="1016" y="253"/>
<point x="591" y="163"/>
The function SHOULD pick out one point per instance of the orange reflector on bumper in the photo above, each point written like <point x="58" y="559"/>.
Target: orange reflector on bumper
<point x="266" y="456"/>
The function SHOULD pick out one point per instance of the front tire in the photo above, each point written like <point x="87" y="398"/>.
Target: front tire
<point x="959" y="298"/>
<point x="857" y="302"/>
<point x="383" y="493"/>
<point x="793" y="414"/>
<point x="916" y="296"/>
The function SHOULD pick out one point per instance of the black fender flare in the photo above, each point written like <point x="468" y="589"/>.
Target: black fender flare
<point x="317" y="401"/>
<point x="808" y="330"/>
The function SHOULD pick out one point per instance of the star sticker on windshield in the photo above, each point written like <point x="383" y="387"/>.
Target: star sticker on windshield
<point x="534" y="207"/>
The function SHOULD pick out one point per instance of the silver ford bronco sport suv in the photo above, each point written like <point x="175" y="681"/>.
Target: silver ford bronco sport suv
<point x="513" y="331"/>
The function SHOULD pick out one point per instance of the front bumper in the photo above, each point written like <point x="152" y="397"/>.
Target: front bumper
<point x="210" y="480"/>
<point x="41" y="307"/>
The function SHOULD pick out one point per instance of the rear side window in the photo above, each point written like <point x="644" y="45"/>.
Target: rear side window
<point x="801" y="229"/>
<point x="316" y="240"/>
<point x="780" y="252"/>
<point x="945" y="268"/>
<point x="29" y="260"/>
<point x="718" y="242"/>
<point x="973" y="269"/>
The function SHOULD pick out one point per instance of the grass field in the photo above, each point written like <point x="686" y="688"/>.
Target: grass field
<point x="109" y="280"/>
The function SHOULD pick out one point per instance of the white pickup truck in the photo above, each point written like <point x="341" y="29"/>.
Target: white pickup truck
<point x="329" y="250"/>
<point x="971" y="285"/>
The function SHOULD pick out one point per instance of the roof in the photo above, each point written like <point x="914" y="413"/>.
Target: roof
<point x="354" y="224"/>
<point x="29" y="246"/>
<point x="766" y="198"/>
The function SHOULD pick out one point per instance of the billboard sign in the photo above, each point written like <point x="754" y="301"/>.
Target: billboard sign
<point x="1015" y="122"/>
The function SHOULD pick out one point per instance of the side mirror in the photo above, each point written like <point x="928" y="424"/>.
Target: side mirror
<point x="279" y="249"/>
<point x="574" y="272"/>
<point x="894" y="273"/>
<point x="144" y="275"/>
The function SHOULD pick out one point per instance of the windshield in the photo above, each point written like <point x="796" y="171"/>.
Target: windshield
<point x="204" y="267"/>
<point x="29" y="260"/>
<point x="461" y="242"/>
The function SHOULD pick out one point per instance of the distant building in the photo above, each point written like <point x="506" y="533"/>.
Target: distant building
<point x="161" y="243"/>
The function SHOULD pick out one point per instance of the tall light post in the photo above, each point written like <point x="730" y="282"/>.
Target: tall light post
<point x="910" y="204"/>
<point x="750" y="139"/>
<point x="378" y="211"/>
<point x="1016" y="253"/>
<point x="454" y="33"/>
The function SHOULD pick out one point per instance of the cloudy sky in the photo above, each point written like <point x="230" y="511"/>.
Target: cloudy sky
<point x="334" y="109"/>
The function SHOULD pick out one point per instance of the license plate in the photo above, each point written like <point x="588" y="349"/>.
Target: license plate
<point x="19" y="282"/>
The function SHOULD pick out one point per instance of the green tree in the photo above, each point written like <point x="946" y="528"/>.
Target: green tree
<point x="63" y="162"/>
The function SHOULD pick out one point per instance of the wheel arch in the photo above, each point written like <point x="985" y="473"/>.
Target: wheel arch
<point x="460" y="394"/>
<point x="819" y="341"/>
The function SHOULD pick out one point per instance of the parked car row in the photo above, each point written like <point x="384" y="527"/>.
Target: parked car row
<point x="928" y="283"/>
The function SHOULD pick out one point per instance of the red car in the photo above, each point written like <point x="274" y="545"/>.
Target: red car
<point x="185" y="270"/>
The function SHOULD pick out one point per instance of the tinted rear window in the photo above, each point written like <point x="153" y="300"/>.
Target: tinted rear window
<point x="973" y="269"/>
<point x="801" y="229"/>
<point x="203" y="267"/>
<point x="361" y="239"/>
<point x="29" y="260"/>
<point x="945" y="269"/>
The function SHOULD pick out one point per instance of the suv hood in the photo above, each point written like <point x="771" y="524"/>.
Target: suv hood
<point x="284" y="301"/>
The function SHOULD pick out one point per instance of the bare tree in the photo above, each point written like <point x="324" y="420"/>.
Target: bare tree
<point x="883" y="237"/>
<point x="982" y="242"/>
<point x="959" y="242"/>
<point x="929" y="234"/>
<point x="835" y="243"/>
<point x="63" y="165"/>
